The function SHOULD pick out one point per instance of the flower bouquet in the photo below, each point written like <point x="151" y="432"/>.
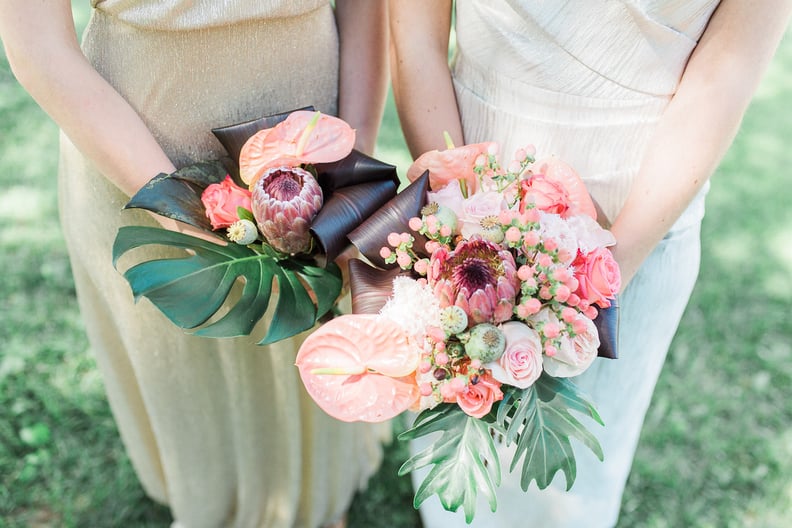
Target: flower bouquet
<point x="280" y="209"/>
<point x="477" y="305"/>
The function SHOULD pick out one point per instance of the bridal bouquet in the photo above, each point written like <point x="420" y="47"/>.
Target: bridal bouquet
<point x="493" y="278"/>
<point x="280" y="217"/>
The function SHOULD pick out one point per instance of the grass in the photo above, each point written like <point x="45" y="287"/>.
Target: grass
<point x="716" y="450"/>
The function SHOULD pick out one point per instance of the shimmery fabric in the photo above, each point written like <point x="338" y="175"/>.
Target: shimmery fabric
<point x="586" y="81"/>
<point x="221" y="430"/>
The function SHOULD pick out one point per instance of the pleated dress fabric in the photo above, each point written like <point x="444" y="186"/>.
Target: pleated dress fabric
<point x="221" y="430"/>
<point x="587" y="82"/>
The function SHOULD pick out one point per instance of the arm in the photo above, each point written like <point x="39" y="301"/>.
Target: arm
<point x="42" y="49"/>
<point x="422" y="83"/>
<point x="363" y="76"/>
<point x="699" y="123"/>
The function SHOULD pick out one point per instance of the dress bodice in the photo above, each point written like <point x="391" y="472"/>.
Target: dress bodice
<point x="196" y="14"/>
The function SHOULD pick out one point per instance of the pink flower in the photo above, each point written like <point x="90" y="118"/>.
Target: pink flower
<point x="221" y="201"/>
<point x="449" y="166"/>
<point x="478" y="276"/>
<point x="598" y="277"/>
<point x="476" y="400"/>
<point x="548" y="195"/>
<point x="521" y="362"/>
<point x="574" y="355"/>
<point x="476" y="208"/>
<point x="285" y="201"/>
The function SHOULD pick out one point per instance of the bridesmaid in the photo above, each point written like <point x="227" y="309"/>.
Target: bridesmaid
<point x="220" y="430"/>
<point x="643" y="99"/>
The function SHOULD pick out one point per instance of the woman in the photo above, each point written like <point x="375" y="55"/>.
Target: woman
<point x="220" y="430"/>
<point x="643" y="99"/>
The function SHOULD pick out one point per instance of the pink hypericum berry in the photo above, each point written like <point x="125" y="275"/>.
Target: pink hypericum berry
<point x="415" y="223"/>
<point x="431" y="224"/>
<point x="564" y="255"/>
<point x="550" y="350"/>
<point x="422" y="281"/>
<point x="573" y="300"/>
<point x="403" y="259"/>
<point x="530" y="150"/>
<point x="458" y="384"/>
<point x="579" y="326"/>
<point x="591" y="312"/>
<point x="545" y="260"/>
<point x="405" y="238"/>
<point x="531" y="239"/>
<point x="562" y="293"/>
<point x="514" y="167"/>
<point x="426" y="389"/>
<point x="394" y="239"/>
<point x="505" y="216"/>
<point x="550" y="244"/>
<point x="445" y="230"/>
<point x="432" y="245"/>
<point x="525" y="272"/>
<point x="440" y="346"/>
<point x="561" y="275"/>
<point x="447" y="392"/>
<point x="475" y="364"/>
<point x="530" y="283"/>
<point x="532" y="306"/>
<point x="424" y="367"/>
<point x="569" y="315"/>
<point x="441" y="359"/>
<point x="544" y="293"/>
<point x="513" y="235"/>
<point x="551" y="330"/>
<point x="385" y="252"/>
<point x="520" y="155"/>
<point x="530" y="216"/>
<point x="421" y="266"/>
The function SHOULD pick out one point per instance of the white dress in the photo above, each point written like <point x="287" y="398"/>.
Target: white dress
<point x="587" y="81"/>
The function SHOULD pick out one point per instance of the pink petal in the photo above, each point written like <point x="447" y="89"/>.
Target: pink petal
<point x="376" y="361"/>
<point x="556" y="170"/>
<point x="449" y="165"/>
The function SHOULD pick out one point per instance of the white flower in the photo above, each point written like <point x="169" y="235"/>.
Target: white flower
<point x="553" y="226"/>
<point x="590" y="235"/>
<point x="413" y="306"/>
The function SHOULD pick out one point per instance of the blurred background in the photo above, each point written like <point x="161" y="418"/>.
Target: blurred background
<point x="716" y="449"/>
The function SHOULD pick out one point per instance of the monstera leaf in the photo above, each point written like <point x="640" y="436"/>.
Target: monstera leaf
<point x="192" y="289"/>
<point x="464" y="458"/>
<point x="538" y="420"/>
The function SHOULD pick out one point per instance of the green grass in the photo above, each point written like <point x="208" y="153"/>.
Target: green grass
<point x="716" y="450"/>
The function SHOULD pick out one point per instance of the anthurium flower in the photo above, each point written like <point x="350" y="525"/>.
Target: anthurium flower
<point x="446" y="166"/>
<point x="304" y="137"/>
<point x="360" y="367"/>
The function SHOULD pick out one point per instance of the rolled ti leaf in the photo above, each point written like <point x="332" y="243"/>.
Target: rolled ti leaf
<point x="394" y="216"/>
<point x="344" y="210"/>
<point x="607" y="323"/>
<point x="370" y="287"/>
<point x="355" y="169"/>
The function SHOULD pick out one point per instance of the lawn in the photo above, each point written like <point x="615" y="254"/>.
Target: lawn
<point x="716" y="450"/>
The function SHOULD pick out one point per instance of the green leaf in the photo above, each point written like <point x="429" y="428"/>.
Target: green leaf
<point x="178" y="195"/>
<point x="464" y="458"/>
<point x="539" y="421"/>
<point x="191" y="290"/>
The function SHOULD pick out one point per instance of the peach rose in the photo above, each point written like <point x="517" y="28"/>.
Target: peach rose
<point x="521" y="362"/>
<point x="598" y="277"/>
<point x="548" y="195"/>
<point x="221" y="201"/>
<point x="476" y="400"/>
<point x="574" y="355"/>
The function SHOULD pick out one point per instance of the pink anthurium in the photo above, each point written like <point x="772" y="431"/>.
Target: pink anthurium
<point x="446" y="166"/>
<point x="304" y="137"/>
<point x="556" y="170"/>
<point x="360" y="367"/>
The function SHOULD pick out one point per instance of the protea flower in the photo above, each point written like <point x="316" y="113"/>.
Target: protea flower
<point x="284" y="202"/>
<point x="478" y="276"/>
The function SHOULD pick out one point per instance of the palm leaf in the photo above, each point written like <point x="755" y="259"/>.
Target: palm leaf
<point x="539" y="421"/>
<point x="464" y="458"/>
<point x="191" y="290"/>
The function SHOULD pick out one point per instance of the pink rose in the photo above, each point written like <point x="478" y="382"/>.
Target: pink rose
<point x="548" y="195"/>
<point x="574" y="355"/>
<point x="221" y="201"/>
<point x="521" y="362"/>
<point x="476" y="400"/>
<point x="476" y="208"/>
<point x="598" y="276"/>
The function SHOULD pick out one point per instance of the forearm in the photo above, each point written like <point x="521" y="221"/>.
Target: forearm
<point x="698" y="125"/>
<point x="43" y="52"/>
<point x="422" y="83"/>
<point x="363" y="71"/>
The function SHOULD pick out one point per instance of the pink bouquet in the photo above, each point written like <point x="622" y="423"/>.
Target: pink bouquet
<point x="491" y="279"/>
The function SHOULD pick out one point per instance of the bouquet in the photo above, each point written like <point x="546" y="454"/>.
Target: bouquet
<point x="279" y="208"/>
<point x="493" y="278"/>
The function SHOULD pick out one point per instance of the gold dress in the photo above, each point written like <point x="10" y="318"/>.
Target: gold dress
<point x="221" y="430"/>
